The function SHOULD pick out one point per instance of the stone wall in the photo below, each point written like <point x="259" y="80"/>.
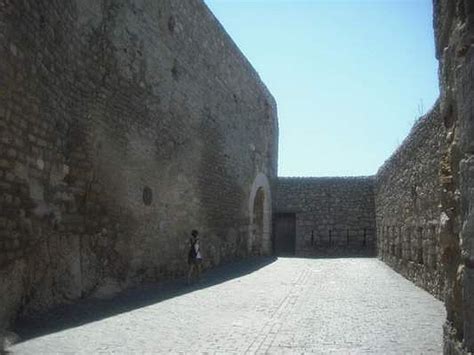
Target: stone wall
<point x="124" y="124"/>
<point x="424" y="193"/>
<point x="407" y="196"/>
<point x="334" y="216"/>
<point x="454" y="34"/>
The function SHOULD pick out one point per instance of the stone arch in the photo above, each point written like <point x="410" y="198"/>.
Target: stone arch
<point x="260" y="217"/>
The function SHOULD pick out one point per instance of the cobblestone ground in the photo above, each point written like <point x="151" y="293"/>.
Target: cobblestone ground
<point x="289" y="305"/>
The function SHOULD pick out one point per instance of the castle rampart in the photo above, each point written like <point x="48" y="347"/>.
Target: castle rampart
<point x="124" y="125"/>
<point x="407" y="195"/>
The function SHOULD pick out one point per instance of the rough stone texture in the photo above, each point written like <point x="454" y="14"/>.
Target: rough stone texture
<point x="424" y="197"/>
<point x="124" y="124"/>
<point x="334" y="216"/>
<point x="454" y="31"/>
<point x="408" y="190"/>
<point x="314" y="306"/>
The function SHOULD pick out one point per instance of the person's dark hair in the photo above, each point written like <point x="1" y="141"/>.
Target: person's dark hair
<point x="194" y="233"/>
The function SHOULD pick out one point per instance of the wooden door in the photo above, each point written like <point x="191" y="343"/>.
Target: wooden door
<point x="284" y="231"/>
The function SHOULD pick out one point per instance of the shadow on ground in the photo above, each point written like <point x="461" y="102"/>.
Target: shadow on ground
<point x="331" y="255"/>
<point x="90" y="310"/>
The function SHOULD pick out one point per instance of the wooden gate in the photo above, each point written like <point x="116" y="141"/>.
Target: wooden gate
<point x="284" y="232"/>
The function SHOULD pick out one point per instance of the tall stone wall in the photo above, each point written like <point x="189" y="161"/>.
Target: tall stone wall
<point x="407" y="197"/>
<point x="454" y="34"/>
<point x="124" y="125"/>
<point x="334" y="216"/>
<point x="424" y="193"/>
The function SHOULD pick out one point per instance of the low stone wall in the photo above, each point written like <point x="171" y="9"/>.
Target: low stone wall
<point x="334" y="216"/>
<point x="407" y="196"/>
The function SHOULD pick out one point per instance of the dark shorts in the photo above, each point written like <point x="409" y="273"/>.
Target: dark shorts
<point x="194" y="261"/>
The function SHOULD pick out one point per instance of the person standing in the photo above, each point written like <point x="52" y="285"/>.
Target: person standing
<point x="194" y="256"/>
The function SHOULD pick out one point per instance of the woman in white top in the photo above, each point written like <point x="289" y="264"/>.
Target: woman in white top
<point x="194" y="256"/>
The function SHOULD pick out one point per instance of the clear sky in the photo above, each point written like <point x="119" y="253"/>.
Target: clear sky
<point x="349" y="77"/>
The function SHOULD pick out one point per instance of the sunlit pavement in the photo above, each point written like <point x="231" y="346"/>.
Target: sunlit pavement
<point x="287" y="305"/>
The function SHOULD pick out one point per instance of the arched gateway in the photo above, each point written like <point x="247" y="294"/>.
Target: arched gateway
<point x="260" y="212"/>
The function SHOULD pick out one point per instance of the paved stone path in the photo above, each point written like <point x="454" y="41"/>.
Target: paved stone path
<point x="287" y="305"/>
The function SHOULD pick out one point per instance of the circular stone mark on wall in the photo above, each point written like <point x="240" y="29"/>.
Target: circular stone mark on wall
<point x="171" y="24"/>
<point x="147" y="196"/>
<point x="175" y="70"/>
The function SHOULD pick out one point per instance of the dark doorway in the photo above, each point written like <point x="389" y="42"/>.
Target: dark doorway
<point x="258" y="222"/>
<point x="284" y="231"/>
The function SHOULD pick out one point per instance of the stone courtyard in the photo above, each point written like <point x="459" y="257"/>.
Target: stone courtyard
<point x="125" y="124"/>
<point x="268" y="305"/>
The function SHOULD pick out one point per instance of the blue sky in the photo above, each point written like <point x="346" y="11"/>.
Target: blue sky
<point x="349" y="77"/>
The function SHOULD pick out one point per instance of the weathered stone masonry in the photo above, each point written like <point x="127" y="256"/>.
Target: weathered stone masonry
<point x="424" y="197"/>
<point x="454" y="32"/>
<point x="408" y="190"/>
<point x="123" y="125"/>
<point x="334" y="216"/>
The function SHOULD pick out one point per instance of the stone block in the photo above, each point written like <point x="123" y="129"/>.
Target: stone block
<point x="468" y="308"/>
<point x="11" y="153"/>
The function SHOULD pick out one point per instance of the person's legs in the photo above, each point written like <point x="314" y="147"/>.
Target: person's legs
<point x="192" y="268"/>
<point x="198" y="268"/>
